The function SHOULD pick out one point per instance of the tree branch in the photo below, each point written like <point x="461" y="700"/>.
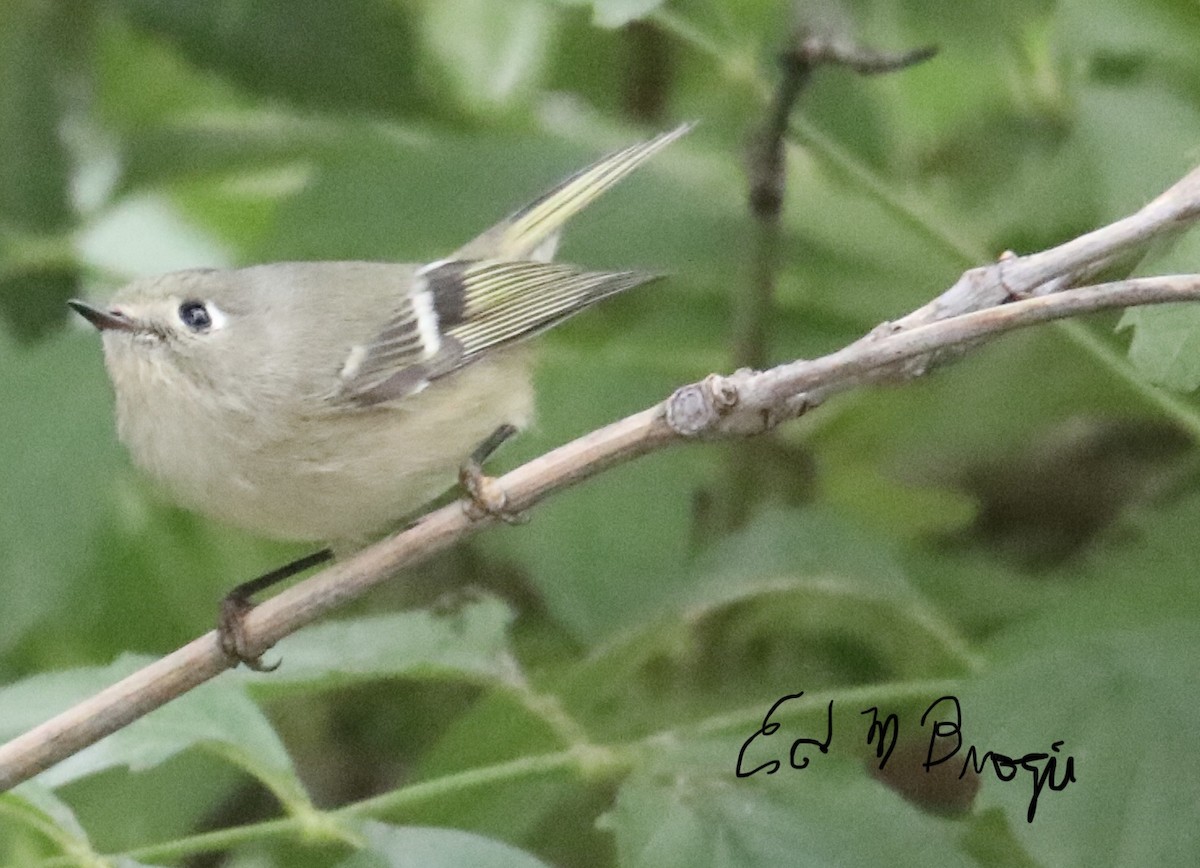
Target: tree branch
<point x="978" y="307"/>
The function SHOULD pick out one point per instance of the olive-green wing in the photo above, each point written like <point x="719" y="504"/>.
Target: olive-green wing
<point x="459" y="309"/>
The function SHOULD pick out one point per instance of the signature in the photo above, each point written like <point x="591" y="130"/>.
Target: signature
<point x="944" y="720"/>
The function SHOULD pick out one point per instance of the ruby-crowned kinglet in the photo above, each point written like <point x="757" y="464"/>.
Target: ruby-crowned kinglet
<point x="324" y="401"/>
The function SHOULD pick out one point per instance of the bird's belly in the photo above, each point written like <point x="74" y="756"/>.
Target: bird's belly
<point x="352" y="474"/>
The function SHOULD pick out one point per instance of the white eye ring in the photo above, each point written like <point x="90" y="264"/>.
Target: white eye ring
<point x="201" y="316"/>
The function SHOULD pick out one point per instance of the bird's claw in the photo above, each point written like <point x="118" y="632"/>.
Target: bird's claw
<point x="231" y="634"/>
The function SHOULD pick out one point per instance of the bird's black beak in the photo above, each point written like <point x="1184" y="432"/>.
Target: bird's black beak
<point x="103" y="320"/>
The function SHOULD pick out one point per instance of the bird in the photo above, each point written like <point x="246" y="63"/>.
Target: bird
<point x="326" y="401"/>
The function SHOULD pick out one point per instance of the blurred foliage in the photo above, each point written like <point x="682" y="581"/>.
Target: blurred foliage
<point x="1018" y="530"/>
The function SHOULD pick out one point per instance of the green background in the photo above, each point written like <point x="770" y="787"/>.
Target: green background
<point x="1018" y="529"/>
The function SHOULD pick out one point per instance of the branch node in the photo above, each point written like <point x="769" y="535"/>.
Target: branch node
<point x="696" y="408"/>
<point x="885" y="329"/>
<point x="724" y="391"/>
<point x="1010" y="293"/>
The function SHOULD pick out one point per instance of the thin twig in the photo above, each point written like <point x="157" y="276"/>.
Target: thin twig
<point x="750" y="465"/>
<point x="744" y="403"/>
<point x="1050" y="270"/>
<point x="766" y="168"/>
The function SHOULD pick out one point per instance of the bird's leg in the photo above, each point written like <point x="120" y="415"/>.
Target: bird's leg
<point x="487" y="497"/>
<point x="231" y="631"/>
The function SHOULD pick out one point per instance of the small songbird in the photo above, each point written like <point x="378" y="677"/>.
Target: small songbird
<point x="325" y="401"/>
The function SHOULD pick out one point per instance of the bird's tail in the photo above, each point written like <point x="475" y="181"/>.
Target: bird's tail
<point x="532" y="232"/>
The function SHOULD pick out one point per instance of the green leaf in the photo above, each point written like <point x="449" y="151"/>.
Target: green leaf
<point x="37" y="825"/>
<point x="1108" y="671"/>
<point x="1134" y="167"/>
<point x="808" y="542"/>
<point x="60" y="446"/>
<point x="226" y="145"/>
<point x="470" y="643"/>
<point x="794" y="598"/>
<point x="420" y="847"/>
<point x="1150" y="31"/>
<point x="122" y="811"/>
<point x="553" y="811"/>
<point x="357" y="55"/>
<point x="831" y="813"/>
<point x="37" y="65"/>
<point x="1166" y="338"/>
<point x="1124" y="704"/>
<point x="493" y="54"/>
<point x="35" y="810"/>
<point x="1166" y="344"/>
<point x="616" y="13"/>
<point x="1142" y="574"/>
<point x="42" y="799"/>
<point x="217" y="716"/>
<point x="34" y="174"/>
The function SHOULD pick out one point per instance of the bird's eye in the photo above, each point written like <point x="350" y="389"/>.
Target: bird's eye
<point x="195" y="316"/>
